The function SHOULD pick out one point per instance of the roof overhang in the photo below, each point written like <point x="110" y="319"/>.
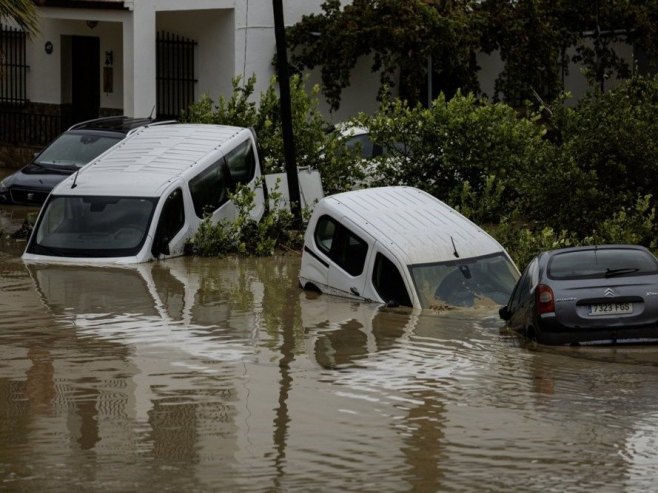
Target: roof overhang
<point x="84" y="4"/>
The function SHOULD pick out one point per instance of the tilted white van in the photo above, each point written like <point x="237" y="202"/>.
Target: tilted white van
<point x="145" y="197"/>
<point x="402" y="246"/>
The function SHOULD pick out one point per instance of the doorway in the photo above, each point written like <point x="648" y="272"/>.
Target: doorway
<point x="85" y="78"/>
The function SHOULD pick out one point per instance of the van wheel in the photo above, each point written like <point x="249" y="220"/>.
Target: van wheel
<point x="311" y="287"/>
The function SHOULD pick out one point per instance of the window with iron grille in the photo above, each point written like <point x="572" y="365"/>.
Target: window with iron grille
<point x="174" y="74"/>
<point x="13" y="66"/>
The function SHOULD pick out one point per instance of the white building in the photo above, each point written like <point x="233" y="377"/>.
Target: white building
<point x="154" y="57"/>
<point x="142" y="57"/>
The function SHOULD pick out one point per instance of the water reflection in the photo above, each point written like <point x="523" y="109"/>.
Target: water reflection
<point x="207" y="375"/>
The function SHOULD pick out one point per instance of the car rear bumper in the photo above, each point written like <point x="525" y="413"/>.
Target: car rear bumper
<point x="553" y="333"/>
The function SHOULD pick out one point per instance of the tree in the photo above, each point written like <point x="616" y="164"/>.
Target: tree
<point x="400" y="36"/>
<point x="23" y="12"/>
<point x="537" y="39"/>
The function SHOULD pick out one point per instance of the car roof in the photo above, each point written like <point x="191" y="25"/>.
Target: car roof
<point x="413" y="224"/>
<point x="143" y="164"/>
<point x="121" y="124"/>
<point x="557" y="251"/>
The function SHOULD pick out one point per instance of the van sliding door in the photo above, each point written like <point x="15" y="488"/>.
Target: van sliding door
<point x="348" y="273"/>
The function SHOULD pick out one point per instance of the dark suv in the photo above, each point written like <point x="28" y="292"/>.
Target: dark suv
<point x="65" y="155"/>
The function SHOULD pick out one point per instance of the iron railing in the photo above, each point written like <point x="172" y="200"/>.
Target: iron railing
<point x="175" y="79"/>
<point x="13" y="66"/>
<point x="23" y="128"/>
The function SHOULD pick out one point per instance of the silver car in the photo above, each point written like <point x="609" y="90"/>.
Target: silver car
<point x="587" y="295"/>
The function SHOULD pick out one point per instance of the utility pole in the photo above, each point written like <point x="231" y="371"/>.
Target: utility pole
<point x="286" y="111"/>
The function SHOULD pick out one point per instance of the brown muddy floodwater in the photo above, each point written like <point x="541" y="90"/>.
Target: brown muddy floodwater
<point x="222" y="375"/>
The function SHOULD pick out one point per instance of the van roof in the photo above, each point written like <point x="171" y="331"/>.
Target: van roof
<point x="143" y="164"/>
<point x="412" y="223"/>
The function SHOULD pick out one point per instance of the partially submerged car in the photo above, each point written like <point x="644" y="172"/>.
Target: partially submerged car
<point x="73" y="149"/>
<point x="144" y="198"/>
<point x="587" y="295"/>
<point x="402" y="246"/>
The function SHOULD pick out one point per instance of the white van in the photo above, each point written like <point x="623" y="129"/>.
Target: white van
<point x="145" y="197"/>
<point x="402" y="246"/>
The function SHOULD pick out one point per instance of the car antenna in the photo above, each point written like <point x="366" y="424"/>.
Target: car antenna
<point x="152" y="111"/>
<point x="455" y="253"/>
<point x="75" y="179"/>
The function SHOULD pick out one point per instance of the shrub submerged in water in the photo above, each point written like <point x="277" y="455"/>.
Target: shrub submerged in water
<point x="244" y="236"/>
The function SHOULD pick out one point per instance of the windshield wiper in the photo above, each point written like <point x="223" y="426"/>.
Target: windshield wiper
<point x="620" y="272"/>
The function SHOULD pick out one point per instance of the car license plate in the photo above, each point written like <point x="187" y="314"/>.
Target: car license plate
<point x="611" y="309"/>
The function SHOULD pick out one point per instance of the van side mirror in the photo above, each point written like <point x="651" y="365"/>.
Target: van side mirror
<point x="504" y="313"/>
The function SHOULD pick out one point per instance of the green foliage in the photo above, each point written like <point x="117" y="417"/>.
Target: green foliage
<point x="537" y="40"/>
<point x="23" y="12"/>
<point x="634" y="225"/>
<point x="577" y="175"/>
<point x="239" y="110"/>
<point x="315" y="147"/>
<point x="244" y="236"/>
<point x="398" y="36"/>
<point x="467" y="152"/>
<point x="605" y="156"/>
<point x="524" y="242"/>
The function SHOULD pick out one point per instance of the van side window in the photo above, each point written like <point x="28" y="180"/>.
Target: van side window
<point x="341" y="245"/>
<point x="172" y="217"/>
<point x="242" y="162"/>
<point x="324" y="233"/>
<point x="388" y="282"/>
<point x="209" y="189"/>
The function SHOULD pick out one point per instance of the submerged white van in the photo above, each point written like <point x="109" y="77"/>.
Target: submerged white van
<point x="402" y="246"/>
<point x="145" y="197"/>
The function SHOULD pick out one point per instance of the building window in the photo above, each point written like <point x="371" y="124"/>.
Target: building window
<point x="13" y="66"/>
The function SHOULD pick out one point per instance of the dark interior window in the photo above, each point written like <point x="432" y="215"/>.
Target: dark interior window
<point x="601" y="263"/>
<point x="172" y="217"/>
<point x="209" y="189"/>
<point x="242" y="162"/>
<point x="388" y="282"/>
<point x="342" y="246"/>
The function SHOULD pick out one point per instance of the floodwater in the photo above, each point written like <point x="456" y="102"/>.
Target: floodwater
<point x="222" y="375"/>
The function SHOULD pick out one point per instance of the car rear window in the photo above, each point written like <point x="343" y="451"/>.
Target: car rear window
<point x="602" y="263"/>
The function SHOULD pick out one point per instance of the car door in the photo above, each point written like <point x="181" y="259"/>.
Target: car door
<point x="522" y="304"/>
<point x="337" y="259"/>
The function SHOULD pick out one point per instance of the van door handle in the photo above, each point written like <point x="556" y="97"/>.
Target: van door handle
<point x="354" y="291"/>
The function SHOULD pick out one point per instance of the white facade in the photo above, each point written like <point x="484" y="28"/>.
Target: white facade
<point x="233" y="37"/>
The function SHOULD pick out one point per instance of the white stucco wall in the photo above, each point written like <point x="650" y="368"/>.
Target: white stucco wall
<point x="256" y="48"/>
<point x="235" y="37"/>
<point x="45" y="74"/>
<point x="214" y="31"/>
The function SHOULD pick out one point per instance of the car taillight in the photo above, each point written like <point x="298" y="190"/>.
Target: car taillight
<point x="545" y="299"/>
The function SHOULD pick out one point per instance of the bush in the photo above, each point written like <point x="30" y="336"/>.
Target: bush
<point x="315" y="146"/>
<point x="607" y="157"/>
<point x="244" y="236"/>
<point x="590" y="180"/>
<point x="464" y="151"/>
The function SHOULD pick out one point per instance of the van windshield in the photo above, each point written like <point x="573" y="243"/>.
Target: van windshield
<point x="469" y="282"/>
<point x="93" y="226"/>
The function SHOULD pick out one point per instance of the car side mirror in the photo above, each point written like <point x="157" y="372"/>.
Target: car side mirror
<point x="504" y="313"/>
